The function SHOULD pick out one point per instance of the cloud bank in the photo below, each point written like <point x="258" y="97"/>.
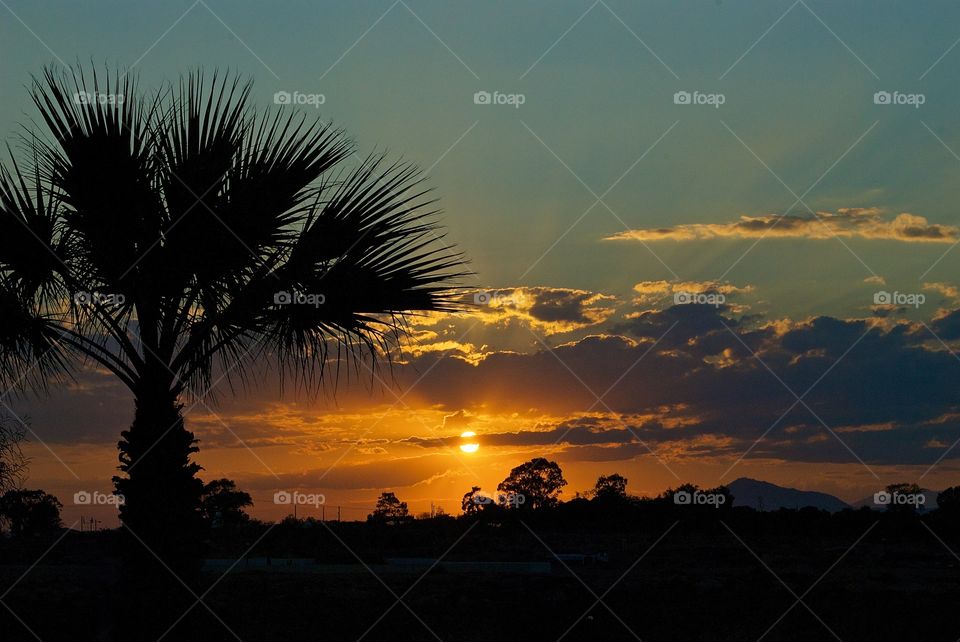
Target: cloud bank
<point x="863" y="223"/>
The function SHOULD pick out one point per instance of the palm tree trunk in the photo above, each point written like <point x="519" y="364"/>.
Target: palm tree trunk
<point x="161" y="492"/>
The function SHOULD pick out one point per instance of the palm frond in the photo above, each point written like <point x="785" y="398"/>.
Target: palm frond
<point x="211" y="222"/>
<point x="369" y="252"/>
<point x="100" y="164"/>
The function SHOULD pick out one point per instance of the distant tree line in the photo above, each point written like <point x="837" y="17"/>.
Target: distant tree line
<point x="538" y="483"/>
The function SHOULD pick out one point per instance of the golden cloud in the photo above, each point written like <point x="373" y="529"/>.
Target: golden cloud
<point x="653" y="292"/>
<point x="862" y="222"/>
<point x="947" y="290"/>
<point x="546" y="309"/>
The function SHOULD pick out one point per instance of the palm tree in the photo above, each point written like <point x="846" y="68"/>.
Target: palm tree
<point x="174" y="239"/>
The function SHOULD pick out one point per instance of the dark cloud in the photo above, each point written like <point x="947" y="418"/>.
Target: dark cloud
<point x="947" y="327"/>
<point x="693" y="374"/>
<point x="563" y="305"/>
<point x="734" y="378"/>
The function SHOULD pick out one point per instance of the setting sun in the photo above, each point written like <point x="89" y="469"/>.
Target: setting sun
<point x="469" y="446"/>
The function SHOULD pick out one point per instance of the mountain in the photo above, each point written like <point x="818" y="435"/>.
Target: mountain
<point x="756" y="494"/>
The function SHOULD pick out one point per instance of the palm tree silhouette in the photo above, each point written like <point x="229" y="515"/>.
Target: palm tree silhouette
<point x="172" y="239"/>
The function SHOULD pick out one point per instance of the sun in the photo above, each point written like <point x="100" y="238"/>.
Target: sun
<point x="469" y="446"/>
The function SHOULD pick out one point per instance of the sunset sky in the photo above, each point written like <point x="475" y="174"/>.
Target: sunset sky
<point x="588" y="213"/>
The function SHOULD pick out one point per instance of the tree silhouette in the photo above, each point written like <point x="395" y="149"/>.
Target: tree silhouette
<point x="908" y="490"/>
<point x="29" y="512"/>
<point x="610" y="487"/>
<point x="13" y="463"/>
<point x="537" y="482"/>
<point x="474" y="501"/>
<point x="172" y="239"/>
<point x="670" y="493"/>
<point x="389" y="510"/>
<point x="949" y="500"/>
<point x="222" y="504"/>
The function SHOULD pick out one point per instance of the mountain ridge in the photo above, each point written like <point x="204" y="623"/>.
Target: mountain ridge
<point x="762" y="495"/>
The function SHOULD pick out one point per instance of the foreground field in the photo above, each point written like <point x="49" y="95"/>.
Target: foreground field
<point x="735" y="577"/>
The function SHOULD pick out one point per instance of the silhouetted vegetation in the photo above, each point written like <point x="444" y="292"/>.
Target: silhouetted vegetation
<point x="610" y="487"/>
<point x="669" y="571"/>
<point x="389" y="510"/>
<point x="165" y="237"/>
<point x="13" y="464"/>
<point x="27" y="513"/>
<point x="948" y="500"/>
<point x="221" y="504"/>
<point x="532" y="485"/>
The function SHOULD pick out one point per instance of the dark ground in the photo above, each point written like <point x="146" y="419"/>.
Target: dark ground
<point x="700" y="582"/>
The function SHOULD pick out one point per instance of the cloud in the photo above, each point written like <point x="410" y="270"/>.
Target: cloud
<point x="701" y="376"/>
<point x="865" y="223"/>
<point x="651" y="293"/>
<point x="456" y="421"/>
<point x="691" y="380"/>
<point x="944" y="289"/>
<point x="375" y="475"/>
<point x="946" y="326"/>
<point x="546" y="309"/>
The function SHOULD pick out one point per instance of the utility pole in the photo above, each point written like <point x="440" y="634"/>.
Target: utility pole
<point x="338" y="514"/>
<point x="323" y="513"/>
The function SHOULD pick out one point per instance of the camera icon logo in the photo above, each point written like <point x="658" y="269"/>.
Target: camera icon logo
<point x="83" y="298"/>
<point x="682" y="298"/>
<point x="282" y="298"/>
<point x="882" y="498"/>
<point x="82" y="498"/>
<point x="482" y="298"/>
<point x="282" y="98"/>
<point x="882" y="298"/>
<point x="482" y="98"/>
<point x="282" y="497"/>
<point x="881" y="98"/>
<point x="682" y="498"/>
<point x="681" y="98"/>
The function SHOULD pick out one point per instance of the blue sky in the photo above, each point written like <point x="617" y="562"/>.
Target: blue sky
<point x="598" y="98"/>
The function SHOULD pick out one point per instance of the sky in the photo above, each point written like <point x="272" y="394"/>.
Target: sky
<point x="710" y="239"/>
